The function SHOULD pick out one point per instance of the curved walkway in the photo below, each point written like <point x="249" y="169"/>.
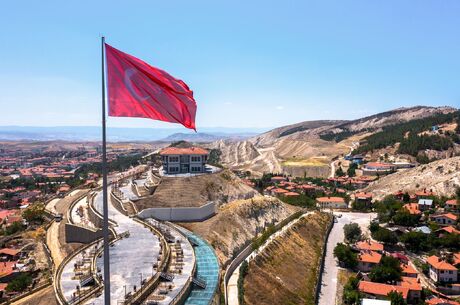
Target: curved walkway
<point x="132" y="258"/>
<point x="207" y="270"/>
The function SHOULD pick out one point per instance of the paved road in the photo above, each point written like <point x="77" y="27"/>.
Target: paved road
<point x="329" y="282"/>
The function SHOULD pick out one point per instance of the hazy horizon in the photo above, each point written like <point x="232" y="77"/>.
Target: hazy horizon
<point x="269" y="64"/>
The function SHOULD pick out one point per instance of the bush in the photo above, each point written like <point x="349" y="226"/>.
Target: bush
<point x="15" y="227"/>
<point x="346" y="256"/>
<point x="243" y="272"/>
<point x="352" y="232"/>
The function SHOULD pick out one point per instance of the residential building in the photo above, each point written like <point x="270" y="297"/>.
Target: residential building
<point x="184" y="160"/>
<point x="331" y="203"/>
<point x="441" y="271"/>
<point x="425" y="204"/>
<point x="374" y="302"/>
<point x="452" y="204"/>
<point x="445" y="219"/>
<point x="367" y="260"/>
<point x="369" y="245"/>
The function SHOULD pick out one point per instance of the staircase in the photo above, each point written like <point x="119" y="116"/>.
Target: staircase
<point x="199" y="282"/>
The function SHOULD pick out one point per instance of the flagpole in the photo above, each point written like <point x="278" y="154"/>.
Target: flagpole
<point x="105" y="226"/>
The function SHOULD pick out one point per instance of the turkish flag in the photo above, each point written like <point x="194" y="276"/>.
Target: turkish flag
<point x="136" y="89"/>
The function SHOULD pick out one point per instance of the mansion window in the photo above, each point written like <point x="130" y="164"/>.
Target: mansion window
<point x="196" y="158"/>
<point x="173" y="159"/>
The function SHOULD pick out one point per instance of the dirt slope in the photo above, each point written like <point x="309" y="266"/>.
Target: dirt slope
<point x="442" y="176"/>
<point x="220" y="187"/>
<point x="237" y="223"/>
<point x="286" y="272"/>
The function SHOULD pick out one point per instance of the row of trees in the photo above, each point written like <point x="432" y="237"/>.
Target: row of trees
<point x="393" y="134"/>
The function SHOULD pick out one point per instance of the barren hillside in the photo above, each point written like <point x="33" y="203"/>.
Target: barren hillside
<point x="441" y="176"/>
<point x="238" y="222"/>
<point x="298" y="149"/>
<point x="286" y="272"/>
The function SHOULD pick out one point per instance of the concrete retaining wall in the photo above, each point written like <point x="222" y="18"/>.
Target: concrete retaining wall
<point x="79" y="234"/>
<point x="180" y="214"/>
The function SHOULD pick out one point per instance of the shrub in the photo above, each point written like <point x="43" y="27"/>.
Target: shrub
<point x="388" y="271"/>
<point x="346" y="256"/>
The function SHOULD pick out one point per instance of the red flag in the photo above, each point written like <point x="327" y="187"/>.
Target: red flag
<point x="136" y="89"/>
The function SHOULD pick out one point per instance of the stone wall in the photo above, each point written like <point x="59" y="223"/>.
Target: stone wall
<point x="180" y="214"/>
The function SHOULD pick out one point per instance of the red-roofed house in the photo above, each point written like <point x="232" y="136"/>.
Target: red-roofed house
<point x="452" y="204"/>
<point x="441" y="271"/>
<point x="409" y="271"/>
<point x="184" y="160"/>
<point x="331" y="203"/>
<point x="439" y="301"/>
<point x="369" y="245"/>
<point x="367" y="260"/>
<point x="412" y="208"/>
<point x="446" y="219"/>
<point x="381" y="290"/>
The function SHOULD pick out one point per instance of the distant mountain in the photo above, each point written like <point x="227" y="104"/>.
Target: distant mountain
<point x="206" y="137"/>
<point x="115" y="134"/>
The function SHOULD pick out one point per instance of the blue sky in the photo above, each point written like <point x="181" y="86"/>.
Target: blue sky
<point x="250" y="63"/>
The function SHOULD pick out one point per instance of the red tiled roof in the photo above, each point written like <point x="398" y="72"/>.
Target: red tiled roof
<point x="9" y="251"/>
<point x="184" y="151"/>
<point x="6" y="268"/>
<point x="331" y="199"/>
<point x="292" y="194"/>
<point x="408" y="269"/>
<point x="446" y="215"/>
<point x="411" y="283"/>
<point x="381" y="289"/>
<point x="450" y="229"/>
<point x="452" y="202"/>
<point x="369" y="245"/>
<point x="369" y="257"/>
<point x="439" y="264"/>
<point x="412" y="208"/>
<point x="280" y="191"/>
<point x="436" y="301"/>
<point x="363" y="195"/>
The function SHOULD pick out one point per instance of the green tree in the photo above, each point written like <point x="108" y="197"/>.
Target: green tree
<point x="352" y="232"/>
<point x="404" y="218"/>
<point x="346" y="256"/>
<point x="415" y="241"/>
<point x="396" y="298"/>
<point x="351" y="172"/>
<point x="385" y="236"/>
<point x="351" y="295"/>
<point x="34" y="213"/>
<point x="19" y="283"/>
<point x="339" y="172"/>
<point x="388" y="271"/>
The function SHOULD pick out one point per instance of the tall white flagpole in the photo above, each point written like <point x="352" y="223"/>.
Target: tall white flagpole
<point x="105" y="225"/>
